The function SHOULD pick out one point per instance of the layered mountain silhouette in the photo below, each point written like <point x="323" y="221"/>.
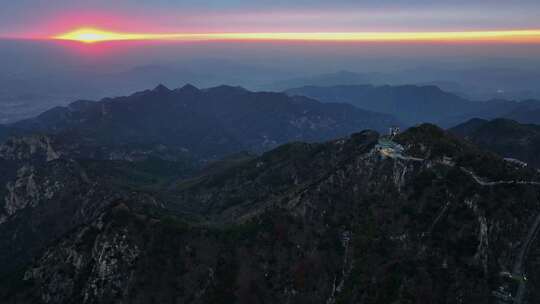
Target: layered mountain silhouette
<point x="330" y="79"/>
<point x="208" y="123"/>
<point x="414" y="104"/>
<point x="528" y="113"/>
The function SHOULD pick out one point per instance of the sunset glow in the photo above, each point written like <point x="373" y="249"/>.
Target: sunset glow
<point x="92" y="35"/>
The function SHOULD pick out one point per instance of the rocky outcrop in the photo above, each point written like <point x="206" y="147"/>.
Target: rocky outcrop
<point x="31" y="147"/>
<point x="44" y="194"/>
<point x="99" y="252"/>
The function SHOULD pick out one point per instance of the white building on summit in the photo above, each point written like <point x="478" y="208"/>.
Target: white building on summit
<point x="393" y="131"/>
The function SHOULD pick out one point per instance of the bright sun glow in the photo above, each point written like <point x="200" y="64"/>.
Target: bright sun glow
<point x="92" y="35"/>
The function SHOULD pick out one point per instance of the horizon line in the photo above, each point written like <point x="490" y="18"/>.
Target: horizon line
<point x="96" y="35"/>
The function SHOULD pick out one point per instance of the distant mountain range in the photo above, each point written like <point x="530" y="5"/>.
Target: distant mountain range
<point x="474" y="84"/>
<point x="482" y="82"/>
<point x="526" y="113"/>
<point x="206" y="124"/>
<point x="348" y="78"/>
<point x="504" y="137"/>
<point x="329" y="79"/>
<point x="27" y="91"/>
<point x="414" y="104"/>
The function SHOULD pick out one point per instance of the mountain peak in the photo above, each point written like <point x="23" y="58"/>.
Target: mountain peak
<point x="189" y="87"/>
<point x="429" y="141"/>
<point x="161" y="88"/>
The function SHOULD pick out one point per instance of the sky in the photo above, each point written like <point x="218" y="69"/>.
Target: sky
<point x="40" y="70"/>
<point x="45" y="18"/>
<point x="154" y="20"/>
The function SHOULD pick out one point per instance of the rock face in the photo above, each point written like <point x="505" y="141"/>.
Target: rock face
<point x="43" y="195"/>
<point x="105" y="254"/>
<point x="421" y="218"/>
<point x="207" y="124"/>
<point x="29" y="147"/>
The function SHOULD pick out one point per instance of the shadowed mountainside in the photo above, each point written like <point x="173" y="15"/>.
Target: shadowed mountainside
<point x="425" y="218"/>
<point x="504" y="137"/>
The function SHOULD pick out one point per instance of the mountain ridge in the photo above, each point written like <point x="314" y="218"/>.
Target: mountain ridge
<point x="414" y="104"/>
<point x="209" y="123"/>
<point x="506" y="137"/>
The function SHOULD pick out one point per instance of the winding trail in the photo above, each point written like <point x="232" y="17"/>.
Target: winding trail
<point x="519" y="269"/>
<point x="482" y="182"/>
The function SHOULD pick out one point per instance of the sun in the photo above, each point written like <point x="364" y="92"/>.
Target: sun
<point x="92" y="35"/>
